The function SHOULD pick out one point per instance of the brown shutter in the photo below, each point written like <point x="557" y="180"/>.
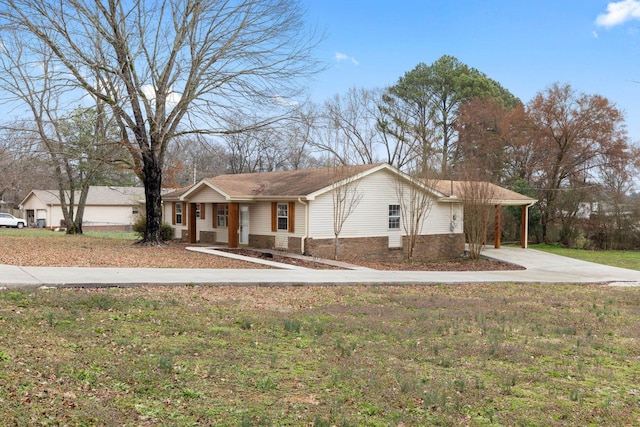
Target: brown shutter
<point x="173" y="213"/>
<point x="185" y="213"/>
<point x="292" y="217"/>
<point x="214" y="220"/>
<point x="203" y="209"/>
<point x="274" y="216"/>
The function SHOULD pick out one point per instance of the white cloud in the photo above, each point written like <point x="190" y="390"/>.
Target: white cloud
<point x="284" y="101"/>
<point x="340" y="57"/>
<point x="618" y="13"/>
<point x="150" y="93"/>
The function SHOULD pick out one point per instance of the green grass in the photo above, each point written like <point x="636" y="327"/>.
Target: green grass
<point x="528" y="355"/>
<point x="623" y="259"/>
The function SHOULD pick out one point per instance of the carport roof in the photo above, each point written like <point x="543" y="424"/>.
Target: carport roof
<point x="498" y="195"/>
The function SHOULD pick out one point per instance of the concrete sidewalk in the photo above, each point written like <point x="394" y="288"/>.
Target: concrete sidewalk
<point x="540" y="267"/>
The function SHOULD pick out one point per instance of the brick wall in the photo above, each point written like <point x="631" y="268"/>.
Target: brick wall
<point x="262" y="242"/>
<point x="208" y="237"/>
<point x="428" y="248"/>
<point x="295" y="245"/>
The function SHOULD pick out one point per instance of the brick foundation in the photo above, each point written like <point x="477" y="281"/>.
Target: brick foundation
<point x="295" y="245"/>
<point x="208" y="237"/>
<point x="262" y="242"/>
<point x="427" y="248"/>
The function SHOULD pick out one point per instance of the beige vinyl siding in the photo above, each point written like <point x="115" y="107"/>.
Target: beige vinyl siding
<point x="207" y="195"/>
<point x="260" y="214"/>
<point x="167" y="217"/>
<point x="371" y="217"/>
<point x="94" y="215"/>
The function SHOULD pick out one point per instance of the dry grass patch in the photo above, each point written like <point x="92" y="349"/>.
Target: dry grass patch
<point x="345" y="356"/>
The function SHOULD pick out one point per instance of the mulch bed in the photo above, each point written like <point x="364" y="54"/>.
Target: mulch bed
<point x="482" y="264"/>
<point x="283" y="259"/>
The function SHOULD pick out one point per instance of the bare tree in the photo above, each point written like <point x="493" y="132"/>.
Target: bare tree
<point x="191" y="159"/>
<point x="76" y="143"/>
<point x="478" y="204"/>
<point x="353" y="117"/>
<point x="576" y="133"/>
<point x="22" y="167"/>
<point x="416" y="201"/>
<point x="345" y="197"/>
<point x="170" y="68"/>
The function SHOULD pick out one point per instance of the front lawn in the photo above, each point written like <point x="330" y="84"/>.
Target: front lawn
<point x="44" y="248"/>
<point x="475" y="355"/>
<point x="622" y="259"/>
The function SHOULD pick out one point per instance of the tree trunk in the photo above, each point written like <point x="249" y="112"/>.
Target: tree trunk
<point x="152" y="169"/>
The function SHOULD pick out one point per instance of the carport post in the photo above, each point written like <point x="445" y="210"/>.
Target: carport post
<point x="524" y="227"/>
<point x="497" y="228"/>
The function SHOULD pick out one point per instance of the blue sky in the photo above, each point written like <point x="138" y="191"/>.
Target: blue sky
<point x="524" y="45"/>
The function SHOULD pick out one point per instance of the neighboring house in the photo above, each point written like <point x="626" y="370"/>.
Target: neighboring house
<point x="107" y="208"/>
<point x="294" y="210"/>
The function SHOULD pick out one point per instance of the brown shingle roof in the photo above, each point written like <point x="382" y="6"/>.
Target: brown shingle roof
<point x="284" y="183"/>
<point x="175" y="194"/>
<point x="498" y="194"/>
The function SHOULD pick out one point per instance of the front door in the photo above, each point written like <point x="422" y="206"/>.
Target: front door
<point x="244" y="225"/>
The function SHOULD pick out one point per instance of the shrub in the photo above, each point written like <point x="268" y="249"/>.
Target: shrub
<point x="140" y="226"/>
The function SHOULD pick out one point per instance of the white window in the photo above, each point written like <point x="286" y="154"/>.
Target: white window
<point x="394" y="217"/>
<point x="283" y="216"/>
<point x="178" y="213"/>
<point x="223" y="215"/>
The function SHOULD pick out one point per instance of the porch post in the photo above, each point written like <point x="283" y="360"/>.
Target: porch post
<point x="234" y="224"/>
<point x="191" y="225"/>
<point x="524" y="227"/>
<point x="498" y="227"/>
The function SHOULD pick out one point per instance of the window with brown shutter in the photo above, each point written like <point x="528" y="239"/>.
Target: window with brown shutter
<point x="214" y="216"/>
<point x="292" y="216"/>
<point x="222" y="215"/>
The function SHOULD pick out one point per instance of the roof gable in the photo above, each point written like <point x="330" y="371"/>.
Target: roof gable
<point x="97" y="196"/>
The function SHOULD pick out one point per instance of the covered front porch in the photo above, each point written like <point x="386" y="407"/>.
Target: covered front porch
<point x="229" y="223"/>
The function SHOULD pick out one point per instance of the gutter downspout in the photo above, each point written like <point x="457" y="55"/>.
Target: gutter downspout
<point x="306" y="224"/>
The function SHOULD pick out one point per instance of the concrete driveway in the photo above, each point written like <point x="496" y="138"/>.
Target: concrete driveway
<point x="540" y="267"/>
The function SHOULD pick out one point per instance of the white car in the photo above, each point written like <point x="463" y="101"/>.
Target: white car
<point x="7" y="220"/>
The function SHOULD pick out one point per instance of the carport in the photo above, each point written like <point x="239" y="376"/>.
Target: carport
<point x="491" y="195"/>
